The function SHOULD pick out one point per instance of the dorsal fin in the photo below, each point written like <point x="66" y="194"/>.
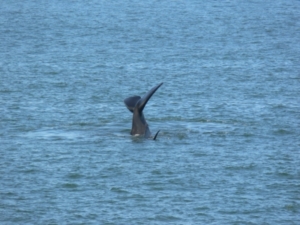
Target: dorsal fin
<point x="131" y="102"/>
<point x="143" y="101"/>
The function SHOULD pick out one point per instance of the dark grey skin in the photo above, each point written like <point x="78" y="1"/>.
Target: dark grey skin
<point x="136" y="105"/>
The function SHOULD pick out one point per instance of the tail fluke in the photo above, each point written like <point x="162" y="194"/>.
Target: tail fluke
<point x="143" y="101"/>
<point x="131" y="102"/>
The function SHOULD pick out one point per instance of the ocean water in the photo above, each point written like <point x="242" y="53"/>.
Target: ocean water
<point x="229" y="113"/>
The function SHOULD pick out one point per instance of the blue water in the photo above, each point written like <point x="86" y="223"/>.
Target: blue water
<point x="229" y="113"/>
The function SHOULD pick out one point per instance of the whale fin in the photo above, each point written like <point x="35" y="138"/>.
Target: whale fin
<point x="143" y="101"/>
<point x="156" y="135"/>
<point x="131" y="102"/>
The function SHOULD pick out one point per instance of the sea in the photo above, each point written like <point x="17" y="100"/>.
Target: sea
<point x="228" y="151"/>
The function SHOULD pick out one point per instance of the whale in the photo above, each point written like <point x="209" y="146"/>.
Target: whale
<point x="136" y="105"/>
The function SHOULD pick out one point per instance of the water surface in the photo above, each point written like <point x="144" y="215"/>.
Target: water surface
<point x="228" y="150"/>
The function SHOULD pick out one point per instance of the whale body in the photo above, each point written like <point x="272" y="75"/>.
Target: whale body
<point x="136" y="105"/>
